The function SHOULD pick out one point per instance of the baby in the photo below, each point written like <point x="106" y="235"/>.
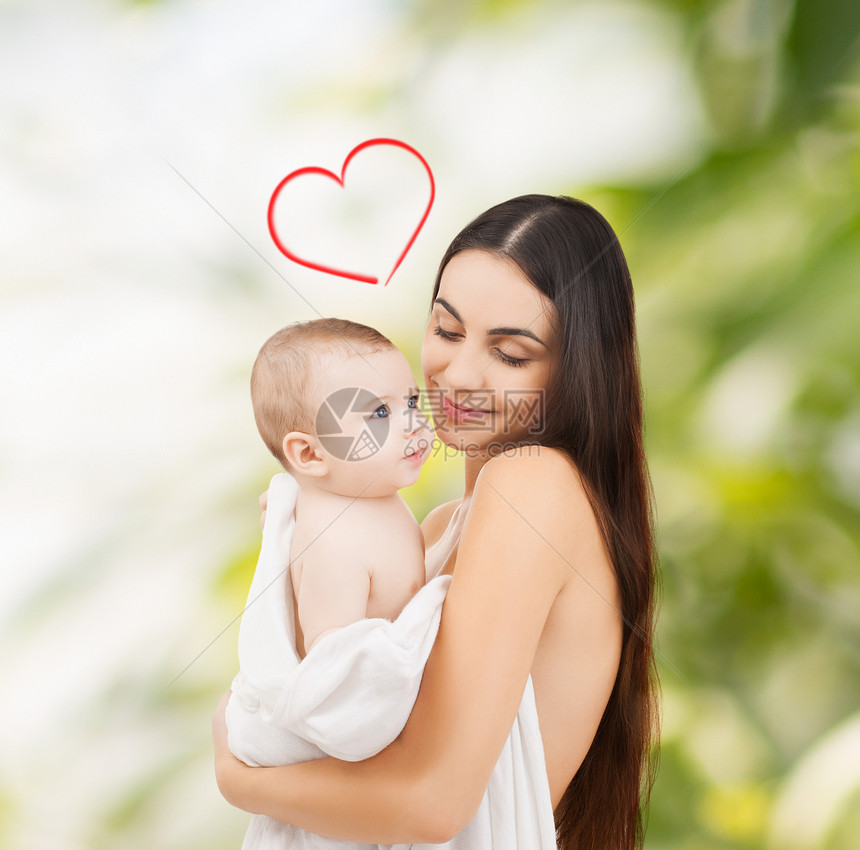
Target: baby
<point x="339" y="621"/>
<point x="336" y="404"/>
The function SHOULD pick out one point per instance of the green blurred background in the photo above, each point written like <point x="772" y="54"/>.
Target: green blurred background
<point x="139" y="144"/>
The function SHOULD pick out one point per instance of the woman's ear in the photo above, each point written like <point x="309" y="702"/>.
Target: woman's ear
<point x="304" y="454"/>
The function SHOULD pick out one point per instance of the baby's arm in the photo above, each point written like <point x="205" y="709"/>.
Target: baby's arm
<point x="334" y="588"/>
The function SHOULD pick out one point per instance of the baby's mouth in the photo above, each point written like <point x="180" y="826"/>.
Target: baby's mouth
<point x="414" y="452"/>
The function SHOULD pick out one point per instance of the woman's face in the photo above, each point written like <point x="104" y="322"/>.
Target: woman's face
<point x="487" y="353"/>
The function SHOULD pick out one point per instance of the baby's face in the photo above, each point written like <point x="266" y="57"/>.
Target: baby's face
<point x="370" y="429"/>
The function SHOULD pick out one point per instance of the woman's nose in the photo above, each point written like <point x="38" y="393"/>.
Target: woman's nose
<point x="464" y="371"/>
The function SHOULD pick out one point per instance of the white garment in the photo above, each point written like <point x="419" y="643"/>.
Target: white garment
<point x="351" y="696"/>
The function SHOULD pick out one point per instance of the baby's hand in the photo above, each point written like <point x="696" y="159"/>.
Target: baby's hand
<point x="264" y="504"/>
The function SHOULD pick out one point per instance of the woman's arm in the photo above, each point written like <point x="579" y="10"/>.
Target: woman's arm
<point x="512" y="562"/>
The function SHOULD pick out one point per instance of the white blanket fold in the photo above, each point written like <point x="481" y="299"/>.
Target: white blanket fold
<point x="351" y="696"/>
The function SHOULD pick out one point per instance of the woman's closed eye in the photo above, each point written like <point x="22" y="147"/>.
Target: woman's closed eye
<point x="511" y="361"/>
<point x="444" y="334"/>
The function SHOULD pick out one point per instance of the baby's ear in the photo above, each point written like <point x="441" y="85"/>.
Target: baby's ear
<point x="302" y="451"/>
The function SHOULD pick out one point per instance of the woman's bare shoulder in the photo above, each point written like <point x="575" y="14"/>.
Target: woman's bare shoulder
<point x="539" y="465"/>
<point x="542" y="487"/>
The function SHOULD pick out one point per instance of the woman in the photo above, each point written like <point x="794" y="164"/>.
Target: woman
<point x="530" y="358"/>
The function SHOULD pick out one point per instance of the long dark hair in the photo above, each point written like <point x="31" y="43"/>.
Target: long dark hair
<point x="594" y="414"/>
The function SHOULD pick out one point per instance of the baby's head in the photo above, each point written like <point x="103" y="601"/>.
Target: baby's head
<point x="336" y="404"/>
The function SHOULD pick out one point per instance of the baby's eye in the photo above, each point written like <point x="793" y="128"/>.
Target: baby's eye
<point x="413" y="402"/>
<point x="383" y="410"/>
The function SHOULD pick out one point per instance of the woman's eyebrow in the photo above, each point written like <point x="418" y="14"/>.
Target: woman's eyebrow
<point x="493" y="331"/>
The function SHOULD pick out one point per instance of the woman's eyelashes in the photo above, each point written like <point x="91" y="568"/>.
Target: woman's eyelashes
<point x="511" y="361"/>
<point x="444" y="334"/>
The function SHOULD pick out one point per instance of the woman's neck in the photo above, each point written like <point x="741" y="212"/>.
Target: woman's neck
<point x="474" y="464"/>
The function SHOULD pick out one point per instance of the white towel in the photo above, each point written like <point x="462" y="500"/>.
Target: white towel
<point x="351" y="696"/>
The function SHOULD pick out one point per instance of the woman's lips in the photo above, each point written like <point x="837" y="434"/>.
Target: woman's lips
<point x="460" y="412"/>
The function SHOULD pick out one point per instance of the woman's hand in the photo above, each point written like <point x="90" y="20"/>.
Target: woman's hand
<point x="264" y="504"/>
<point x="260" y="790"/>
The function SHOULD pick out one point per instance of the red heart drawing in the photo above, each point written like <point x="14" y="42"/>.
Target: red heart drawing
<point x="312" y="169"/>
